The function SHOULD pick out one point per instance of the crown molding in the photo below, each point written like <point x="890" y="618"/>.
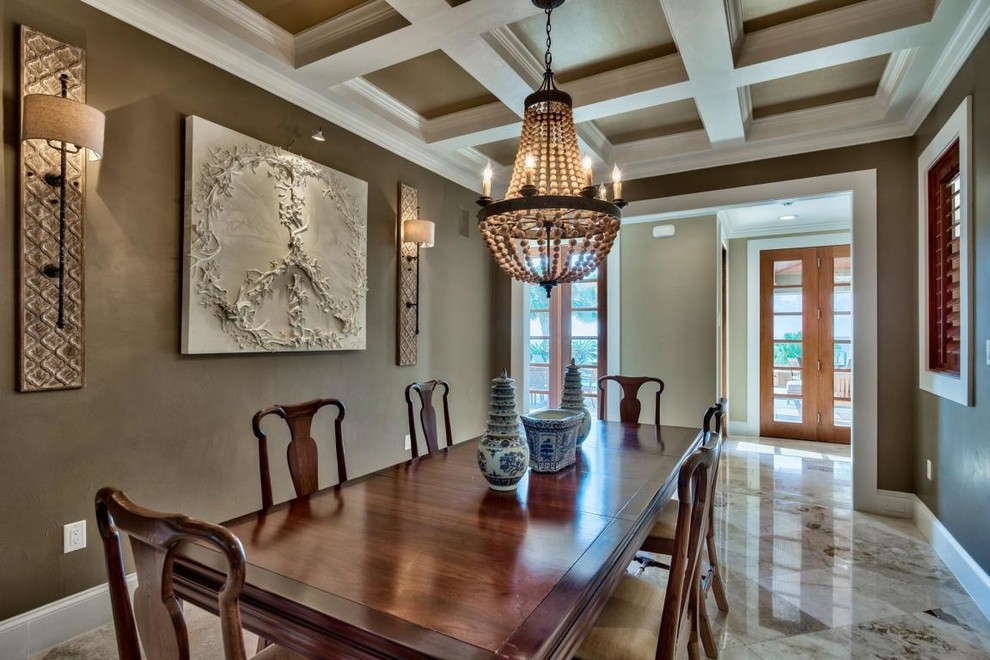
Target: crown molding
<point x="319" y="39"/>
<point x="384" y="105"/>
<point x="171" y="23"/>
<point x="841" y="26"/>
<point x="240" y="20"/>
<point x="733" y="154"/>
<point x="893" y="75"/>
<point x="971" y="29"/>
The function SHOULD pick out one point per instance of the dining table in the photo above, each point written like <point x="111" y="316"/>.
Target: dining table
<point x="423" y="560"/>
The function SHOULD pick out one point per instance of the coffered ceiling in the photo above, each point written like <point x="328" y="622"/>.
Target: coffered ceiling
<point x="659" y="85"/>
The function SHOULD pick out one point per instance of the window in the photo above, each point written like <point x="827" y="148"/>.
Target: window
<point x="571" y="324"/>
<point x="944" y="299"/>
<point x="944" y="215"/>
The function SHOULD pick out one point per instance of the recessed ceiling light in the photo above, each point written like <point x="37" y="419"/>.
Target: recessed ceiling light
<point x="788" y="217"/>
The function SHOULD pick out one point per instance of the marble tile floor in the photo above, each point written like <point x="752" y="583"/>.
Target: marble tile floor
<point x="806" y="576"/>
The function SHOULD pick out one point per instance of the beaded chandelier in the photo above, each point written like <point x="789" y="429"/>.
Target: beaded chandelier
<point x="553" y="226"/>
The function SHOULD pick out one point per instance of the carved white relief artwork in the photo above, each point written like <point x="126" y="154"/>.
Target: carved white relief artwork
<point x="275" y="248"/>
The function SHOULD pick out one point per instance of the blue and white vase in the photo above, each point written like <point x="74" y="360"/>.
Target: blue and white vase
<point x="503" y="454"/>
<point x="552" y="438"/>
<point x="572" y="398"/>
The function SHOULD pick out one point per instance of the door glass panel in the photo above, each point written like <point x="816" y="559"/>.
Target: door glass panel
<point x="842" y="413"/>
<point x="842" y="385"/>
<point x="585" y="351"/>
<point x="584" y="324"/>
<point x="538" y="298"/>
<point x="539" y="378"/>
<point x="787" y="355"/>
<point x="539" y="324"/>
<point x="787" y="327"/>
<point x="787" y="273"/>
<point x="589" y="381"/>
<point x="787" y="410"/>
<point x="539" y="351"/>
<point x="538" y="400"/>
<point x="787" y="300"/>
<point x="787" y="381"/>
<point x="843" y="356"/>
<point x="842" y="327"/>
<point x="584" y="294"/>
<point x="591" y="403"/>
<point x="842" y="299"/>
<point x="843" y="270"/>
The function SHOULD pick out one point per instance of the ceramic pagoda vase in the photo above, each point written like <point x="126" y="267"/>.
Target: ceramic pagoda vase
<point x="573" y="399"/>
<point x="503" y="454"/>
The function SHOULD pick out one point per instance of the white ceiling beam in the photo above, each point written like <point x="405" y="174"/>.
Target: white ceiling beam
<point x="344" y="31"/>
<point x="433" y="24"/>
<point x="701" y="31"/>
<point x="855" y="27"/>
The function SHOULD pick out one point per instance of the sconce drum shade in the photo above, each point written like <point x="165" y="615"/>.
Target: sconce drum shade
<point x="59" y="119"/>
<point x="421" y="232"/>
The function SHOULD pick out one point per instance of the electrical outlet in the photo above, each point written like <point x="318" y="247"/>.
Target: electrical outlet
<point x="408" y="443"/>
<point x="988" y="352"/>
<point x="928" y="467"/>
<point x="74" y="537"/>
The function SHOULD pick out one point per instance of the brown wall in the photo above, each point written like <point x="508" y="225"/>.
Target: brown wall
<point x="669" y="314"/>
<point x="175" y="431"/>
<point x="954" y="437"/>
<point x="893" y="161"/>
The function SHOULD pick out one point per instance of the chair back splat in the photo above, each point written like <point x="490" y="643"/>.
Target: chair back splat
<point x="629" y="406"/>
<point x="428" y="415"/>
<point x="301" y="452"/>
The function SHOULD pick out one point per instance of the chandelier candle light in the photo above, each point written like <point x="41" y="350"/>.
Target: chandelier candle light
<point x="554" y="225"/>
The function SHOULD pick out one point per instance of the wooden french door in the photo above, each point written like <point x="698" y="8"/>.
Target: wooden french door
<point x="806" y="343"/>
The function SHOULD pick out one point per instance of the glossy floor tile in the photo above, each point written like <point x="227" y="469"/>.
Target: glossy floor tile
<point x="807" y="577"/>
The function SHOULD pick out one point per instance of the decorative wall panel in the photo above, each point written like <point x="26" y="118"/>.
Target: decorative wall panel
<point x="51" y="358"/>
<point x="276" y="248"/>
<point x="406" y="338"/>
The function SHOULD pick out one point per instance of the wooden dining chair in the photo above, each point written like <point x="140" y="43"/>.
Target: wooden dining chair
<point x="644" y="619"/>
<point x="302" y="452"/>
<point x="428" y="415"/>
<point x="629" y="406"/>
<point x="661" y="539"/>
<point x="155" y="620"/>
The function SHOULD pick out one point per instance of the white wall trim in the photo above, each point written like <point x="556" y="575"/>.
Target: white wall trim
<point x="863" y="185"/>
<point x="614" y="310"/>
<point x="954" y="388"/>
<point x="57" y="622"/>
<point x="971" y="576"/>
<point x="753" y="249"/>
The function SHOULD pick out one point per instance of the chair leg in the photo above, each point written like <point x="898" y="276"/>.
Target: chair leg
<point x="716" y="581"/>
<point x="705" y="629"/>
<point x="694" y="617"/>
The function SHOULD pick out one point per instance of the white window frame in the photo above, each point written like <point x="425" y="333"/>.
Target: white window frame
<point x="954" y="388"/>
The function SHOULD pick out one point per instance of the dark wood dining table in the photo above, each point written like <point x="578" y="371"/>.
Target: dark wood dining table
<point x="423" y="560"/>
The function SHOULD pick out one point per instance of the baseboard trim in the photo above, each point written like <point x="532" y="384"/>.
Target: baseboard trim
<point x="739" y="427"/>
<point x="50" y="625"/>
<point x="971" y="576"/>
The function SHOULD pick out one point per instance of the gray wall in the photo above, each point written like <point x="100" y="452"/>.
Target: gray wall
<point x="668" y="325"/>
<point x="174" y="431"/>
<point x="954" y="437"/>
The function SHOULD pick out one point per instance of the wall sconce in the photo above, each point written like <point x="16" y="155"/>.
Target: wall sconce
<point x="420" y="233"/>
<point x="69" y="127"/>
<point x="57" y="131"/>
<point x="412" y="233"/>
